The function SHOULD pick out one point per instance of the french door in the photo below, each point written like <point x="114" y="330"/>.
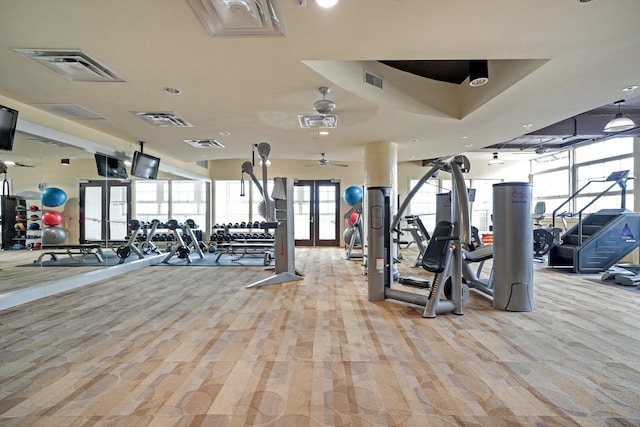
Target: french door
<point x="105" y="210"/>
<point x="316" y="213"/>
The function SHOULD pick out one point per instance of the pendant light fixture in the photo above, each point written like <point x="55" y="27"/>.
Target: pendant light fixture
<point x="495" y="160"/>
<point x="478" y="73"/>
<point x="619" y="123"/>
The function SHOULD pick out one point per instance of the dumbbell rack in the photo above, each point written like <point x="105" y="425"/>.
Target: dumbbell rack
<point x="248" y="232"/>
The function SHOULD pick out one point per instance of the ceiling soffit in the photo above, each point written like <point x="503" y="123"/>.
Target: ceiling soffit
<point x="405" y="88"/>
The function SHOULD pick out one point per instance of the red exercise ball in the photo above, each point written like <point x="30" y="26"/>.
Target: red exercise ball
<point x="353" y="218"/>
<point x="52" y="218"/>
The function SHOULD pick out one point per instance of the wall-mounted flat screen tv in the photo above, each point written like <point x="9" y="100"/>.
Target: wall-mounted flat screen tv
<point x="144" y="165"/>
<point x="110" y="167"/>
<point x="8" y="121"/>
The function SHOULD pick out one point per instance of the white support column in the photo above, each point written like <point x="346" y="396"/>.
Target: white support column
<point x="636" y="197"/>
<point x="381" y="165"/>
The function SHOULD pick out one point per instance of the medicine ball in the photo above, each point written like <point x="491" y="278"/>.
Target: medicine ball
<point x="34" y="208"/>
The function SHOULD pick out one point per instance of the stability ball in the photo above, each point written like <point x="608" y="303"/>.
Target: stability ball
<point x="353" y="218"/>
<point x="352" y="195"/>
<point x="53" y="236"/>
<point x="52" y="197"/>
<point x="348" y="236"/>
<point x="52" y="218"/>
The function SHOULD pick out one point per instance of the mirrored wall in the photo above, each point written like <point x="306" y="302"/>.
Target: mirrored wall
<point x="67" y="211"/>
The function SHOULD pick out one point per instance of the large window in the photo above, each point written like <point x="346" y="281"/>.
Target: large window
<point x="152" y="200"/>
<point x="189" y="201"/>
<point x="424" y="203"/>
<point x="165" y="200"/>
<point x="559" y="175"/>
<point x="232" y="202"/>
<point x="482" y="207"/>
<point x="592" y="170"/>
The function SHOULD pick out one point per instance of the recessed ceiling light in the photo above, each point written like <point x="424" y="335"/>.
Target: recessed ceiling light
<point x="527" y="126"/>
<point x="172" y="90"/>
<point x="468" y="146"/>
<point x="326" y="3"/>
<point x="223" y="133"/>
<point x="630" y="88"/>
<point x="323" y="132"/>
<point x="413" y="140"/>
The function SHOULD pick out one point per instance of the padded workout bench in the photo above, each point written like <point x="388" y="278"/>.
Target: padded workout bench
<point x="75" y="252"/>
<point x="247" y="247"/>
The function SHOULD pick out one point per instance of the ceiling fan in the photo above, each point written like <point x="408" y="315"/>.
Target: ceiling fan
<point x="324" y="162"/>
<point x="324" y="106"/>
<point x="4" y="164"/>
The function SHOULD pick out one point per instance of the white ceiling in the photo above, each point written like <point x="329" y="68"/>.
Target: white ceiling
<point x="548" y="60"/>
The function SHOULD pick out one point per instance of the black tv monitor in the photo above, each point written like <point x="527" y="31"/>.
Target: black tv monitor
<point x="144" y="165"/>
<point x="110" y="167"/>
<point x="8" y="121"/>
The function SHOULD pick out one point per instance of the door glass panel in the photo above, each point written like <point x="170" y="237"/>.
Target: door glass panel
<point x="327" y="212"/>
<point x="93" y="213"/>
<point x="118" y="213"/>
<point x="302" y="212"/>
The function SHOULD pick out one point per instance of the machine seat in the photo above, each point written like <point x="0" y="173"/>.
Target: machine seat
<point x="434" y="258"/>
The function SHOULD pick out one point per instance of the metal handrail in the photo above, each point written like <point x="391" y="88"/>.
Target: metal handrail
<point x="620" y="181"/>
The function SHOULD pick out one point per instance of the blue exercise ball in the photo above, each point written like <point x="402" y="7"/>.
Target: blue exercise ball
<point x="352" y="195"/>
<point x="52" y="197"/>
<point x="53" y="236"/>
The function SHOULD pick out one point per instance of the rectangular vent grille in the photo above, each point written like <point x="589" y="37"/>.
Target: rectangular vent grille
<point x="73" y="65"/>
<point x="70" y="111"/>
<point x="204" y="143"/>
<point x="373" y="79"/>
<point x="203" y="164"/>
<point x="164" y="119"/>
<point x="315" y="121"/>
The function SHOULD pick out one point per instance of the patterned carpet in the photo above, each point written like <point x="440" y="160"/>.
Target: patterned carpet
<point x="193" y="347"/>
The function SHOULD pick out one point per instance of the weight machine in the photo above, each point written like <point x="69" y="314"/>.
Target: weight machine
<point x="279" y="216"/>
<point x="443" y="255"/>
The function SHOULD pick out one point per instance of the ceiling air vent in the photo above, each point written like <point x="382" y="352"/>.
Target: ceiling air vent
<point x="314" y="121"/>
<point x="372" y="79"/>
<point x="239" y="17"/>
<point x="71" y="64"/>
<point x="164" y="119"/>
<point x="204" y="143"/>
<point x="70" y="111"/>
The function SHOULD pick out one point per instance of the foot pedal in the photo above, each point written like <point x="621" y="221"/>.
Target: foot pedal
<point x="416" y="282"/>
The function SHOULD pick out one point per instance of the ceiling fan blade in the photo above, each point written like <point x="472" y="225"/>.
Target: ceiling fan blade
<point x="340" y="165"/>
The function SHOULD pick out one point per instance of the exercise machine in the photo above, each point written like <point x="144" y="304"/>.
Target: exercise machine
<point x="279" y="217"/>
<point x="420" y="236"/>
<point x="442" y="256"/>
